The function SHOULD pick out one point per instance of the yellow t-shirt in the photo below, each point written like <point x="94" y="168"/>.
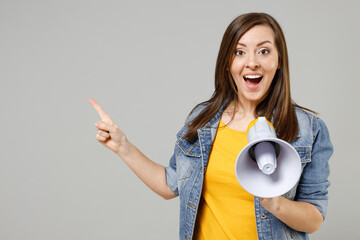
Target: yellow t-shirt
<point x="226" y="210"/>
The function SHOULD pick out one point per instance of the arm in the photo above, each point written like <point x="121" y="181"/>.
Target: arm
<point x="300" y="216"/>
<point x="151" y="173"/>
<point x="308" y="211"/>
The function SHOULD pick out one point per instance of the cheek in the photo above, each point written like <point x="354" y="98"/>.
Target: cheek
<point x="275" y="62"/>
<point x="274" y="65"/>
<point x="236" y="67"/>
<point x="271" y="67"/>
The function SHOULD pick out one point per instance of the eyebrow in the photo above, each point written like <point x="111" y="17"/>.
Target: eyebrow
<point x="259" y="44"/>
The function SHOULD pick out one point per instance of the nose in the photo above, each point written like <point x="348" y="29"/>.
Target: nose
<point x="252" y="61"/>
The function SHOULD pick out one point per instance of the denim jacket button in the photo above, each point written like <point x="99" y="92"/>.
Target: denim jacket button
<point x="263" y="216"/>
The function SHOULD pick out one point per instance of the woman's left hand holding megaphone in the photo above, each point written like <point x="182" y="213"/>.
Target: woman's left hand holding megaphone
<point x="271" y="204"/>
<point x="289" y="211"/>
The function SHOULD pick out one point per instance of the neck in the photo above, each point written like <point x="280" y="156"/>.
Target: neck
<point x="239" y="116"/>
<point x="241" y="110"/>
<point x="246" y="108"/>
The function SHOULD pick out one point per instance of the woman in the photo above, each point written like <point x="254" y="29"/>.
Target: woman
<point x="251" y="80"/>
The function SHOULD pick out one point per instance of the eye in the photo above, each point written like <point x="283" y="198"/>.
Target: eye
<point x="239" y="52"/>
<point x="264" y="51"/>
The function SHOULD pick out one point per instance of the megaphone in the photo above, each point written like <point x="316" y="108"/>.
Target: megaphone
<point x="268" y="166"/>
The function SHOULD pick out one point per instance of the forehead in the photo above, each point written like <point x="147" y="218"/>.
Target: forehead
<point x="257" y="34"/>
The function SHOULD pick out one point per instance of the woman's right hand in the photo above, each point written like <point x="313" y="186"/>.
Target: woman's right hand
<point x="108" y="133"/>
<point x="151" y="173"/>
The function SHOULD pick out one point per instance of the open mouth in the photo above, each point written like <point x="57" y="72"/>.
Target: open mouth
<point x="252" y="81"/>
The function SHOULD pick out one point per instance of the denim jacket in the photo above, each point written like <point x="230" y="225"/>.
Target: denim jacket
<point x="185" y="174"/>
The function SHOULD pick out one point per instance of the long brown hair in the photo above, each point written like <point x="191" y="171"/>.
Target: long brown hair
<point x="277" y="105"/>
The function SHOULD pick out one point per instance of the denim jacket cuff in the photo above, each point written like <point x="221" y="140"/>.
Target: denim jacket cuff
<point x="171" y="179"/>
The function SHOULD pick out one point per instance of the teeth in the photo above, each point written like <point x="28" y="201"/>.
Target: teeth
<point x="253" y="76"/>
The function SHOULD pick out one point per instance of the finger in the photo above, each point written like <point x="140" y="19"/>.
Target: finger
<point x="100" y="138"/>
<point x="103" y="115"/>
<point x="104" y="134"/>
<point x="101" y="125"/>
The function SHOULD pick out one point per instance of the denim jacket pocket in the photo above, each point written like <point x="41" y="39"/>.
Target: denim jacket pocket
<point x="304" y="154"/>
<point x="188" y="148"/>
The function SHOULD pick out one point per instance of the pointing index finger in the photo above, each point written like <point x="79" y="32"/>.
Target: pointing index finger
<point x="103" y="115"/>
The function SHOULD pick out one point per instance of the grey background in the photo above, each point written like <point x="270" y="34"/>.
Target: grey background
<point x="147" y="63"/>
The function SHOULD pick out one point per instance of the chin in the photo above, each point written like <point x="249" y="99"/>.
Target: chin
<point x="255" y="99"/>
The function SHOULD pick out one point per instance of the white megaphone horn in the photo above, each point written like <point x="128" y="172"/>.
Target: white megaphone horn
<point x="268" y="166"/>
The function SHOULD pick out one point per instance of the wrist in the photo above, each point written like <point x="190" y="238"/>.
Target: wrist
<point x="277" y="206"/>
<point x="272" y="205"/>
<point x="123" y="148"/>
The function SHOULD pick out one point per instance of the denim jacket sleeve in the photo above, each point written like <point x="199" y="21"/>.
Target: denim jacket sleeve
<point x="171" y="175"/>
<point x="171" y="170"/>
<point x="314" y="181"/>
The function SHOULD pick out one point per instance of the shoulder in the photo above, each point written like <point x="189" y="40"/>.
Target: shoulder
<point x="309" y="124"/>
<point x="192" y="115"/>
<point x="196" y="111"/>
<point x="304" y="116"/>
<point x="307" y="119"/>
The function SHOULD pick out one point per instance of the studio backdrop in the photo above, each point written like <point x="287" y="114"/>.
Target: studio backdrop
<point x="147" y="63"/>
